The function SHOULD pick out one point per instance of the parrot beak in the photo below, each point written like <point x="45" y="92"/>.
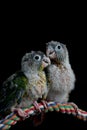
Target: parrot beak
<point x="51" y="53"/>
<point x="46" y="61"/>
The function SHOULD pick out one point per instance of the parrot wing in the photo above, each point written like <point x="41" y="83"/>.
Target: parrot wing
<point x="12" y="91"/>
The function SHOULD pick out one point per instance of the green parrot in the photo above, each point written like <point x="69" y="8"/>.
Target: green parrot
<point x="26" y="86"/>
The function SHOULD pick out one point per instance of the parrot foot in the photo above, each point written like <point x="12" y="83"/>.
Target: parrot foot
<point x="74" y="105"/>
<point x="20" y="112"/>
<point x="45" y="104"/>
<point x="37" y="106"/>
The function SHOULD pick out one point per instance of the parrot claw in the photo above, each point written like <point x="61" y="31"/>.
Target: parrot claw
<point x="36" y="105"/>
<point x="45" y="104"/>
<point x="20" y="112"/>
<point x="74" y="105"/>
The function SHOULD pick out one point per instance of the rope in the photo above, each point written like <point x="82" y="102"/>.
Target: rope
<point x="69" y="108"/>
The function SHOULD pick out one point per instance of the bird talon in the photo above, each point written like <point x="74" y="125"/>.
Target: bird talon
<point x="20" y="112"/>
<point x="74" y="105"/>
<point x="36" y="105"/>
<point x="45" y="104"/>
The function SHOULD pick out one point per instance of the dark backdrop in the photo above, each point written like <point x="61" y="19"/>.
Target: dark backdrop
<point x="21" y="33"/>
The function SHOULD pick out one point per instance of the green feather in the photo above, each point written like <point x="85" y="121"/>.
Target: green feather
<point x="12" y="91"/>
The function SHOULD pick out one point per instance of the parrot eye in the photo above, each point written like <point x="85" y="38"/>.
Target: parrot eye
<point x="37" y="57"/>
<point x="58" y="47"/>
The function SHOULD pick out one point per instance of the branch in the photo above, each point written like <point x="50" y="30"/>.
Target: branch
<point x="69" y="108"/>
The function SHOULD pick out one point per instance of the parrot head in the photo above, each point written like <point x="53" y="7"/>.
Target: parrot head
<point x="34" y="60"/>
<point x="56" y="51"/>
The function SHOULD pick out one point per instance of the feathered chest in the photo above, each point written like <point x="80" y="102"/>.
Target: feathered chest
<point x="37" y="84"/>
<point x="59" y="76"/>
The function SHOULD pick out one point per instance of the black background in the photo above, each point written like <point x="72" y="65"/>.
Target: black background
<point x="23" y="30"/>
